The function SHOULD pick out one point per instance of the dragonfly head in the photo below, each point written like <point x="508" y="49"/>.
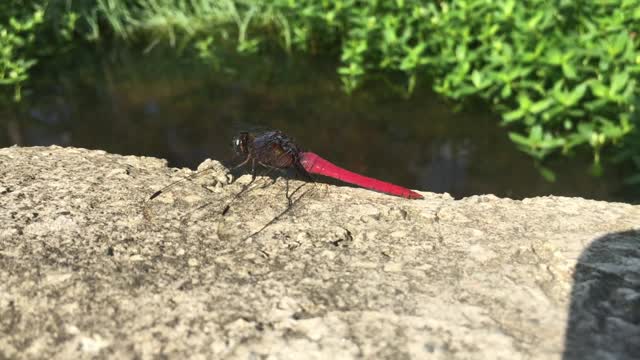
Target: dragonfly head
<point x="241" y="144"/>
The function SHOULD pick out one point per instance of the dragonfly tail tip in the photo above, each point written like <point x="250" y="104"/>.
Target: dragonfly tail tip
<point x="415" y="195"/>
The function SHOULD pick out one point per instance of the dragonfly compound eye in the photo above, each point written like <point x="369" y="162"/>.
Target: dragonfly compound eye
<point x="239" y="144"/>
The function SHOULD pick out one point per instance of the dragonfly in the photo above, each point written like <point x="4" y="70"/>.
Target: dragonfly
<point x="274" y="150"/>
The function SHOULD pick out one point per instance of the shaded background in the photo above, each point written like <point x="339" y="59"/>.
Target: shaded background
<point x="185" y="110"/>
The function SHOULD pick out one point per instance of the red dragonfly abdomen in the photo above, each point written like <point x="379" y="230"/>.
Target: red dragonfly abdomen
<point x="314" y="164"/>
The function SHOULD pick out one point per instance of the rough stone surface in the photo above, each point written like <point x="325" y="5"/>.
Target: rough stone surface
<point x="88" y="269"/>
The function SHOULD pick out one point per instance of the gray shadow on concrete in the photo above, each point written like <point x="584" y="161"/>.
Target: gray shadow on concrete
<point x="604" y="318"/>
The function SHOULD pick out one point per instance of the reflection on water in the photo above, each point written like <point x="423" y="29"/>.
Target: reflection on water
<point x="446" y="169"/>
<point x="184" y="112"/>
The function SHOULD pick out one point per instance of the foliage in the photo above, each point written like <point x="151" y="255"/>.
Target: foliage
<point x="562" y="74"/>
<point x="18" y="23"/>
<point x="29" y="31"/>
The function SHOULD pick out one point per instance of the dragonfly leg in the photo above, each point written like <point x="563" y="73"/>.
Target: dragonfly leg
<point x="234" y="170"/>
<point x="289" y="196"/>
<point x="253" y="170"/>
<point x="242" y="163"/>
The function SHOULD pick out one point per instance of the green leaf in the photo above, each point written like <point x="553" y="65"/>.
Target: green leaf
<point x="571" y="98"/>
<point x="506" y="91"/>
<point x="541" y="105"/>
<point x="618" y="81"/>
<point x="610" y="129"/>
<point x="569" y="70"/>
<point x="519" y="139"/>
<point x="577" y="93"/>
<point x="619" y="43"/>
<point x="536" y="133"/>
<point x="575" y="140"/>
<point x="476" y="78"/>
<point x="554" y="56"/>
<point x="596" y="105"/>
<point x="547" y="173"/>
<point x="533" y="22"/>
<point x="585" y="129"/>
<point x="524" y="101"/>
<point x="636" y="13"/>
<point x="513" y="115"/>
<point x="461" y="52"/>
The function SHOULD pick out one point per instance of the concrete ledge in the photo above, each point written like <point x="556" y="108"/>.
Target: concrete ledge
<point x="88" y="270"/>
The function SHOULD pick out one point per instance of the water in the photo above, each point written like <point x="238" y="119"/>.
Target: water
<point x="184" y="111"/>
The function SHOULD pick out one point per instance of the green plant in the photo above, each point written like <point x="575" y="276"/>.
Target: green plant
<point x="30" y="31"/>
<point x="562" y="74"/>
<point x="18" y="25"/>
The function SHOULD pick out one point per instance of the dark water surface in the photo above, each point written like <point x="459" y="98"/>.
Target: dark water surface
<point x="184" y="111"/>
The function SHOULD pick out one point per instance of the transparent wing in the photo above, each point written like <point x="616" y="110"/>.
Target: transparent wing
<point x="241" y="209"/>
